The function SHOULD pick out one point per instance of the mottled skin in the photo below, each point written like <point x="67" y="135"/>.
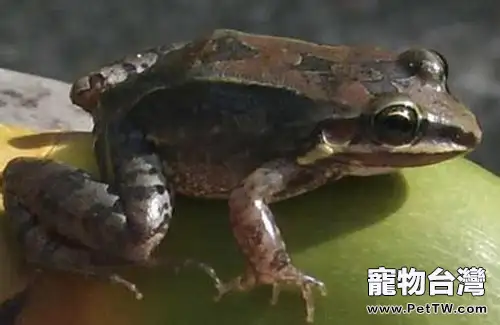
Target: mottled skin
<point x="249" y="118"/>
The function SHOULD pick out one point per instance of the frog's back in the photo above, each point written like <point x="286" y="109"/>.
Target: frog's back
<point x="238" y="86"/>
<point x="221" y="106"/>
<point x="313" y="70"/>
<point x="310" y="69"/>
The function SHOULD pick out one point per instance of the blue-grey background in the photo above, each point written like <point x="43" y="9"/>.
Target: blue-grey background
<point x="63" y="39"/>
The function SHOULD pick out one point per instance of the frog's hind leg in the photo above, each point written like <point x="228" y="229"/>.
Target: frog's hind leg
<point x="42" y="249"/>
<point x="125" y="216"/>
<point x="70" y="222"/>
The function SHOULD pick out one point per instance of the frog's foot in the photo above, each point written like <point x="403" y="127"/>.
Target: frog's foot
<point x="286" y="277"/>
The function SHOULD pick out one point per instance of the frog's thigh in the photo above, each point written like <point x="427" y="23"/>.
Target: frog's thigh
<point x="74" y="206"/>
<point x="43" y="250"/>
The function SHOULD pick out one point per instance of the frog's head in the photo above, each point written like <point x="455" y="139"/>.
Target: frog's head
<point x="407" y="119"/>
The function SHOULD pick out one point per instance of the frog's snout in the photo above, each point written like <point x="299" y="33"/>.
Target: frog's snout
<point x="457" y="131"/>
<point x="477" y="133"/>
<point x="471" y="133"/>
<point x="469" y="140"/>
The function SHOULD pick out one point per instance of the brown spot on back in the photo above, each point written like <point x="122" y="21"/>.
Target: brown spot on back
<point x="228" y="49"/>
<point x="313" y="64"/>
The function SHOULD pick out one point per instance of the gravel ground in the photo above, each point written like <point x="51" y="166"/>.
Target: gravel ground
<point x="62" y="39"/>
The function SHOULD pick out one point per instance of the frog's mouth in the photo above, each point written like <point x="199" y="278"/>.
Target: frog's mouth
<point x="395" y="160"/>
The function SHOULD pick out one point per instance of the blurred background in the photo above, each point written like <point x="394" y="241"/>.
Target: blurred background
<point x="64" y="39"/>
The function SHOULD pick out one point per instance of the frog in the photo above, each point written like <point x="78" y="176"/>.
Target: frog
<point x="230" y="115"/>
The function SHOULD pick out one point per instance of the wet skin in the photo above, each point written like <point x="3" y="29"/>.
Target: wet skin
<point x="248" y="118"/>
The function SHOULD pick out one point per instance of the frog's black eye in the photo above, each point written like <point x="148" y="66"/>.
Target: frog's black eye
<point x="396" y="124"/>
<point x="428" y="64"/>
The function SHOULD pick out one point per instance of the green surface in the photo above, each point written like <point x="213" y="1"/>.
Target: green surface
<point x="445" y="215"/>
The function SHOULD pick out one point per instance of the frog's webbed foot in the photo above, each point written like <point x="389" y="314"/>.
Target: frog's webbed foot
<point x="295" y="278"/>
<point x="259" y="237"/>
<point x="43" y="250"/>
<point x="289" y="277"/>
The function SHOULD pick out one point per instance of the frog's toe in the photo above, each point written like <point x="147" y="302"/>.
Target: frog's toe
<point x="298" y="279"/>
<point x="115" y="278"/>
<point x="292" y="277"/>
<point x="286" y="277"/>
<point x="240" y="283"/>
<point x="179" y="264"/>
<point x="207" y="269"/>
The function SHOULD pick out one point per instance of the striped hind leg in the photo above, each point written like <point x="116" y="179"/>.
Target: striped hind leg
<point x="42" y="249"/>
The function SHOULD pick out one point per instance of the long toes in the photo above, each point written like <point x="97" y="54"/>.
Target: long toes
<point x="211" y="273"/>
<point x="114" y="278"/>
<point x="275" y="294"/>
<point x="222" y="290"/>
<point x="321" y="287"/>
<point x="236" y="284"/>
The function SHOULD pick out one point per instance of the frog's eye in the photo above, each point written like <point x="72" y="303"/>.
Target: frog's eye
<point x="396" y="124"/>
<point x="428" y="64"/>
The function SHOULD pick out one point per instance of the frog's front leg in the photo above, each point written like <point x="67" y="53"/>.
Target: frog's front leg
<point x="259" y="238"/>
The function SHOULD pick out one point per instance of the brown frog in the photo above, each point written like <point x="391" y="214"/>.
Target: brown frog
<point x="248" y="118"/>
